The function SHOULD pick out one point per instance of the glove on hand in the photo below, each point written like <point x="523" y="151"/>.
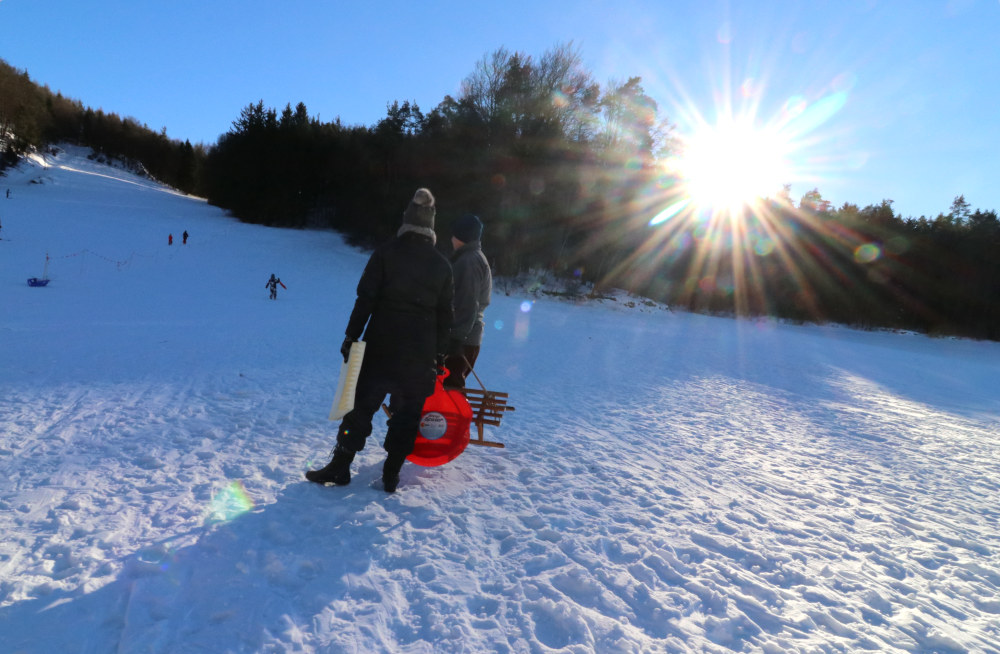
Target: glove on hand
<point x="345" y="348"/>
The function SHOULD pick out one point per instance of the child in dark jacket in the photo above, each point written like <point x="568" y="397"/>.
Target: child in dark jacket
<point x="273" y="284"/>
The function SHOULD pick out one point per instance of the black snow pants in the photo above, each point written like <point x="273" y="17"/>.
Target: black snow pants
<point x="407" y="408"/>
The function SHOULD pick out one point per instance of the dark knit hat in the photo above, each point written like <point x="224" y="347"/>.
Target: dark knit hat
<point x="468" y="228"/>
<point x="420" y="212"/>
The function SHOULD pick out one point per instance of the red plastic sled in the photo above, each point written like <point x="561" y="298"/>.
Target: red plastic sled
<point x="444" y="426"/>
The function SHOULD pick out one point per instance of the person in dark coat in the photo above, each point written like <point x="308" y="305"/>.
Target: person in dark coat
<point x="473" y="288"/>
<point x="404" y="309"/>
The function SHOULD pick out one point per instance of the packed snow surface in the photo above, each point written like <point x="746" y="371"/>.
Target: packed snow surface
<point x="671" y="482"/>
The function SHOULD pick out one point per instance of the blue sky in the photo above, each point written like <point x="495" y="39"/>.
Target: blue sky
<point x="897" y="99"/>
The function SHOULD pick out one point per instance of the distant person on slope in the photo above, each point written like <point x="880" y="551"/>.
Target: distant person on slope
<point x="273" y="284"/>
<point x="404" y="298"/>
<point x="473" y="288"/>
<point x="185" y="238"/>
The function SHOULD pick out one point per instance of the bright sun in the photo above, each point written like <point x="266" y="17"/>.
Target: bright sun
<point x="731" y="165"/>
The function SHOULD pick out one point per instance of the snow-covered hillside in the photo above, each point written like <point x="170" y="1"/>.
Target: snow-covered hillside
<point x="671" y="482"/>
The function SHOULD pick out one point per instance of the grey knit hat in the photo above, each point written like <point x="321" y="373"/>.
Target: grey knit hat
<point x="420" y="211"/>
<point x="419" y="215"/>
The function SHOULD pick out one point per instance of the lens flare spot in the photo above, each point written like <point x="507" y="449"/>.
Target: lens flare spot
<point x="228" y="503"/>
<point x="750" y="88"/>
<point x="763" y="247"/>
<point x="665" y="182"/>
<point x="498" y="325"/>
<point x="844" y="82"/>
<point x="681" y="241"/>
<point x="669" y="212"/>
<point x="857" y="160"/>
<point x="724" y="34"/>
<point x="816" y="114"/>
<point x="867" y="253"/>
<point x="794" y="107"/>
<point x="526" y="306"/>
<point x="522" y="327"/>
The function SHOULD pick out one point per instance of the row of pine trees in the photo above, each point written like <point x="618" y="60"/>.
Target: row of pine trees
<point x="564" y="171"/>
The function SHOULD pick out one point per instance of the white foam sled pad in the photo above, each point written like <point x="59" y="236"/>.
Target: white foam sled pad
<point x="343" y="400"/>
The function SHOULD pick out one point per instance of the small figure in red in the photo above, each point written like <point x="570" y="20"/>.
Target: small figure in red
<point x="170" y="240"/>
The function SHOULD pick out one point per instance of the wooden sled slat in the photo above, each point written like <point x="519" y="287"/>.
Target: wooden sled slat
<point x="488" y="408"/>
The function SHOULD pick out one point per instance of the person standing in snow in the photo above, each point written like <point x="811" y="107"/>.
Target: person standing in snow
<point x="473" y="288"/>
<point x="184" y="238"/>
<point x="170" y="239"/>
<point x="273" y="284"/>
<point x="404" y="298"/>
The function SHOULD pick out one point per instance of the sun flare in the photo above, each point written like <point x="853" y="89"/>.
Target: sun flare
<point x="729" y="165"/>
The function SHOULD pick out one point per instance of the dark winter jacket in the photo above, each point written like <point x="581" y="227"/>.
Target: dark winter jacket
<point x="473" y="288"/>
<point x="404" y="297"/>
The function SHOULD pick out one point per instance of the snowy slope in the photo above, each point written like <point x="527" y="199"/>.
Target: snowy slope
<point x="672" y="482"/>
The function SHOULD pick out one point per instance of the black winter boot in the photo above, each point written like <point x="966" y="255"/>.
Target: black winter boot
<point x="390" y="471"/>
<point x="338" y="471"/>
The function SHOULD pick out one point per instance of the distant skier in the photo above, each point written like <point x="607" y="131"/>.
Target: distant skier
<point x="170" y="239"/>
<point x="273" y="284"/>
<point x="185" y="235"/>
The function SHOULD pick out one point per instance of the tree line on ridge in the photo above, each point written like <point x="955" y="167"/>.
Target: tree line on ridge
<point x="566" y="174"/>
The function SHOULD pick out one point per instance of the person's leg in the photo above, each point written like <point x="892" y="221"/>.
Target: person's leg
<point x="401" y="436"/>
<point x="460" y="366"/>
<point x="471" y="354"/>
<point x="403" y="424"/>
<point x="338" y="471"/>
<point x="356" y="426"/>
<point x="456" y="367"/>
<point x="351" y="436"/>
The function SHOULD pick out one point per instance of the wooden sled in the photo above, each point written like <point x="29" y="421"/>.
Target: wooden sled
<point x="488" y="408"/>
